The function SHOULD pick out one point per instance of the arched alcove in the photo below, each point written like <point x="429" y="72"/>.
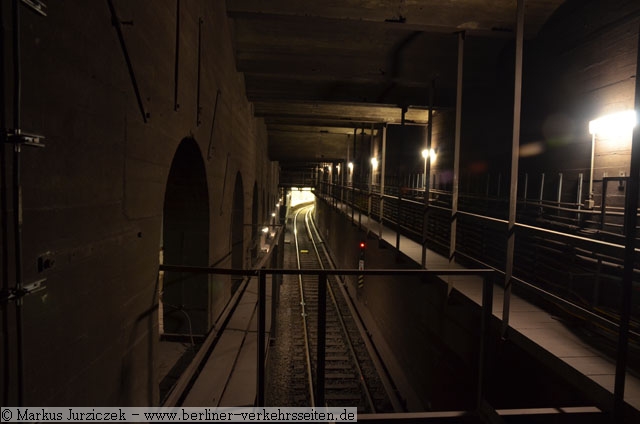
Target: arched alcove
<point x="185" y="240"/>
<point x="237" y="231"/>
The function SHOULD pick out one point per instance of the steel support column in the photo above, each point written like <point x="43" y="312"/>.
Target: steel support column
<point x="427" y="172"/>
<point x="373" y="173"/>
<point x="485" y="333"/>
<point x="404" y="111"/>
<point x="262" y="294"/>
<point x="355" y="134"/>
<point x="382" y="176"/>
<point x="515" y="152"/>
<point x="630" y="219"/>
<point x="456" y="151"/>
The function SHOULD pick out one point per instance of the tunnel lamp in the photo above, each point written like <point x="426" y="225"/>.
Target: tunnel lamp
<point x="265" y="230"/>
<point x="273" y="214"/>
<point x="350" y="165"/>
<point x="431" y="153"/>
<point x="615" y="124"/>
<point x="374" y="163"/>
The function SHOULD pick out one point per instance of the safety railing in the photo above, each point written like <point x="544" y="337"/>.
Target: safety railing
<point x="561" y="264"/>
<point x="488" y="277"/>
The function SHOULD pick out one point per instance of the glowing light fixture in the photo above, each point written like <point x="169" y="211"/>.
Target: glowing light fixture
<point x="615" y="123"/>
<point x="350" y="165"/>
<point x="374" y="163"/>
<point x="273" y="214"/>
<point x="430" y="153"/>
<point x="265" y="230"/>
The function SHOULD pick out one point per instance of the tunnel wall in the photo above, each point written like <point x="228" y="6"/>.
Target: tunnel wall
<point x="93" y="197"/>
<point x="581" y="66"/>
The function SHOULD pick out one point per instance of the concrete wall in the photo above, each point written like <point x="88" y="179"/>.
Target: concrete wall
<point x="94" y="196"/>
<point x="581" y="66"/>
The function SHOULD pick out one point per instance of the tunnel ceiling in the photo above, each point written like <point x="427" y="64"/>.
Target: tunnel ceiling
<point x="317" y="70"/>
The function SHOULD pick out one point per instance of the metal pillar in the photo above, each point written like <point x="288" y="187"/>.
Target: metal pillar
<point x="262" y="294"/>
<point x="456" y="151"/>
<point x="630" y="219"/>
<point x="355" y="134"/>
<point x="382" y="176"/>
<point x="485" y="333"/>
<point x="404" y="111"/>
<point x="515" y="151"/>
<point x="427" y="172"/>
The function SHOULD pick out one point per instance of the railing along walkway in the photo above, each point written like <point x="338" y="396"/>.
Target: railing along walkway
<point x="530" y="326"/>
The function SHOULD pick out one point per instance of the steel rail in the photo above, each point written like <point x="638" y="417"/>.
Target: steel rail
<point x="304" y="313"/>
<point x="361" y="376"/>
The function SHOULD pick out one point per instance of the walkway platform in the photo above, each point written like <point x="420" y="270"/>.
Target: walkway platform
<point x="228" y="378"/>
<point x="533" y="328"/>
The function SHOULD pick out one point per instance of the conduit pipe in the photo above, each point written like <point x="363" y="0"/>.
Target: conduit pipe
<point x="4" y="217"/>
<point x="17" y="199"/>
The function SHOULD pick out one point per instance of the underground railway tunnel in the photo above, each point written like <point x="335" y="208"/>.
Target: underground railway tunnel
<point x="497" y="136"/>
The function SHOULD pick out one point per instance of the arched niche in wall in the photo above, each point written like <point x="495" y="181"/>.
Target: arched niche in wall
<point x="185" y="240"/>
<point x="237" y="231"/>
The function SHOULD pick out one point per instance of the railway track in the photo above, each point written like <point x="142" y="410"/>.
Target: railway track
<point x="351" y="375"/>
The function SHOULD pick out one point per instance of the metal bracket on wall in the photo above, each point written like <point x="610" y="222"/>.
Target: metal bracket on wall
<point x="19" y="137"/>
<point x="37" y="6"/>
<point x="17" y="295"/>
<point x="118" y="25"/>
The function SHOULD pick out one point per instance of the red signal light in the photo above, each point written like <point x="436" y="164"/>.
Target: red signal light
<point x="362" y="245"/>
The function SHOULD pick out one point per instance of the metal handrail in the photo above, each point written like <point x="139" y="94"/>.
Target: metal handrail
<point x="261" y="273"/>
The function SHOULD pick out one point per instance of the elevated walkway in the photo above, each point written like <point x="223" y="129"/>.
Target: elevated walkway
<point x="532" y="328"/>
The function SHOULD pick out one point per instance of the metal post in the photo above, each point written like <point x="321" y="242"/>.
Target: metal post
<point x="630" y="218"/>
<point x="355" y="134"/>
<point x="17" y="197"/>
<point x="559" y="200"/>
<point x="382" y="176"/>
<point x="322" y="320"/>
<point x="456" y="150"/>
<point x="579" y="196"/>
<point x="343" y="170"/>
<point x="515" y="152"/>
<point x="275" y="288"/>
<point x="603" y="202"/>
<point x="402" y="122"/>
<point x="373" y="172"/>
<point x="262" y="289"/>
<point x="427" y="172"/>
<point x="398" y="220"/>
<point x="541" y="196"/>
<point x="485" y="332"/>
<point x="593" y="158"/>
